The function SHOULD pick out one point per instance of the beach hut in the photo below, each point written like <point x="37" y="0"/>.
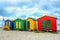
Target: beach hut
<point x="30" y="24"/>
<point x="47" y="23"/>
<point x="20" y="24"/>
<point x="10" y="24"/>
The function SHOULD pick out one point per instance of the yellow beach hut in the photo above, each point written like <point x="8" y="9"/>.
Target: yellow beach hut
<point x="30" y="24"/>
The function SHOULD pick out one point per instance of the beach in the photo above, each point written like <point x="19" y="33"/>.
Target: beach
<point x="26" y="35"/>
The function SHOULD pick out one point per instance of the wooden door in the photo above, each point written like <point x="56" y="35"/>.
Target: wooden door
<point x="28" y="24"/>
<point x="8" y="23"/>
<point x="43" y="24"/>
<point x="48" y="24"/>
<point x="17" y="25"/>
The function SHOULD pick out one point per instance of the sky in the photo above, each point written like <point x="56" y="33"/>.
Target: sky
<point x="12" y="9"/>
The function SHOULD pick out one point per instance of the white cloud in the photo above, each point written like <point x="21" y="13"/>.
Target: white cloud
<point x="58" y="21"/>
<point x="29" y="11"/>
<point x="56" y="14"/>
<point x="58" y="27"/>
<point x="54" y="0"/>
<point x="25" y="11"/>
<point x="9" y="9"/>
<point x="14" y="1"/>
<point x="8" y="0"/>
<point x="24" y="0"/>
<point x="1" y="17"/>
<point x="10" y="18"/>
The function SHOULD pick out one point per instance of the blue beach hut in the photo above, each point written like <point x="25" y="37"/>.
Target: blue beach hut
<point x="10" y="24"/>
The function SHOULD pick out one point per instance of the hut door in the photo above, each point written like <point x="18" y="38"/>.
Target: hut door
<point x="48" y="24"/>
<point x="17" y="25"/>
<point x="20" y="25"/>
<point x="11" y="25"/>
<point x="44" y="24"/>
<point x="28" y="24"/>
<point x="8" y="23"/>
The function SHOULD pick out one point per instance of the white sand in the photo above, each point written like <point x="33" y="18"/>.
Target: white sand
<point x="25" y="35"/>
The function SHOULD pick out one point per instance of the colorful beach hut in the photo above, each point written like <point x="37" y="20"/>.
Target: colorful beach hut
<point x="10" y="24"/>
<point x="30" y="24"/>
<point x="20" y="24"/>
<point x="47" y="23"/>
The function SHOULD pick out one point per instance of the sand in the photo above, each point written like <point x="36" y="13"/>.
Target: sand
<point x="26" y="35"/>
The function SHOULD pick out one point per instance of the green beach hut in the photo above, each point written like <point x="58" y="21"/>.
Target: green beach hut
<point x="20" y="24"/>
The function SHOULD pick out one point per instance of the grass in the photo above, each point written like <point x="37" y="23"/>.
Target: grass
<point x="39" y="31"/>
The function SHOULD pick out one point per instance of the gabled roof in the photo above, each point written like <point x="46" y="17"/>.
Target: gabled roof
<point x="48" y="16"/>
<point x="31" y="18"/>
<point x="19" y="19"/>
<point x="8" y="20"/>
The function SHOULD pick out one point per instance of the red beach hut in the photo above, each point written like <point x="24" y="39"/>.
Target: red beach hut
<point x="47" y="23"/>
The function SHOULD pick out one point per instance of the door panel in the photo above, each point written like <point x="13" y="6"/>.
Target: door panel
<point x="20" y="25"/>
<point x="48" y="24"/>
<point x="11" y="25"/>
<point x="44" y="24"/>
<point x="28" y="24"/>
<point x="8" y="23"/>
<point x="17" y="25"/>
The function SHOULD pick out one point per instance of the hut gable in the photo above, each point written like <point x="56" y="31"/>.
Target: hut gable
<point x="30" y="19"/>
<point x="21" y="20"/>
<point x="47" y="17"/>
<point x="7" y="21"/>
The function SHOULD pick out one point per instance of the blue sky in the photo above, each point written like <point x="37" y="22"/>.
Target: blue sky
<point x="12" y="9"/>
